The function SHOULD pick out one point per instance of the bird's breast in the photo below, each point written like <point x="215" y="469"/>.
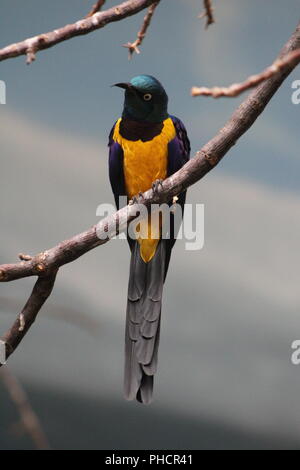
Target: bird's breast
<point x="145" y="162"/>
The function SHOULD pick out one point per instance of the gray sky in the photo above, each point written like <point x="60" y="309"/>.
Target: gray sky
<point x="230" y="310"/>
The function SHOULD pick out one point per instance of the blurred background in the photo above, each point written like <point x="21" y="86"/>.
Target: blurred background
<point x="231" y="310"/>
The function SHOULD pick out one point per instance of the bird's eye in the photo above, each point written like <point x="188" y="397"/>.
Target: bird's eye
<point x="147" y="97"/>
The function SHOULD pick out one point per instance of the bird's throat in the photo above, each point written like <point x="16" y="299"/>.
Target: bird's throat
<point x="139" y="130"/>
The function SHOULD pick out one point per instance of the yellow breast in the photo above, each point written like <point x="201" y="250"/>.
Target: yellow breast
<point x="145" y="162"/>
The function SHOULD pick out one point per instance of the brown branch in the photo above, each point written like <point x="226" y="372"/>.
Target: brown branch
<point x="47" y="263"/>
<point x="41" y="291"/>
<point x="96" y="7"/>
<point x="133" y="46"/>
<point x="29" y="419"/>
<point x="31" y="46"/>
<point x="208" y="13"/>
<point x="293" y="58"/>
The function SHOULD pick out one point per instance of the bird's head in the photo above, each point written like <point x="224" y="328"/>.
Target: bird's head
<point x="145" y="99"/>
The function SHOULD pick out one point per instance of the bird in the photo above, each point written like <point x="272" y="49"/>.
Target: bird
<point x="146" y="145"/>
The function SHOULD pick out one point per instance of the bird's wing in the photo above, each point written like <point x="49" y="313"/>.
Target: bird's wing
<point x="178" y="154"/>
<point x="115" y="163"/>
<point x="179" y="148"/>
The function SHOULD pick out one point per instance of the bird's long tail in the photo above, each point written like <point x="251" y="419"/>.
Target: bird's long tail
<point x="143" y="322"/>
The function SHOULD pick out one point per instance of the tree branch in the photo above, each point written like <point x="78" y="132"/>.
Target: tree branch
<point x="293" y="58"/>
<point x="31" y="46"/>
<point x="208" y="13"/>
<point x="41" y="291"/>
<point x="133" y="46"/>
<point x="47" y="263"/>
<point x="96" y="7"/>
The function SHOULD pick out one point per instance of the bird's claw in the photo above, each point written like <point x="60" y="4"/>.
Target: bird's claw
<point x="156" y="184"/>
<point x="137" y="199"/>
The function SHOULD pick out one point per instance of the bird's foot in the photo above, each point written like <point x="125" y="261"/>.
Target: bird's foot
<point x="138" y="199"/>
<point x="156" y="184"/>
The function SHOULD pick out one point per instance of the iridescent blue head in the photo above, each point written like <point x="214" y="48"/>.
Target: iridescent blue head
<point x="145" y="99"/>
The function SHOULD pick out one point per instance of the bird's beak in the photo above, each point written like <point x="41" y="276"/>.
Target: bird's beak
<point x="126" y="86"/>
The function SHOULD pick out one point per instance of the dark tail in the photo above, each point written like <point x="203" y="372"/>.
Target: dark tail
<point x="143" y="322"/>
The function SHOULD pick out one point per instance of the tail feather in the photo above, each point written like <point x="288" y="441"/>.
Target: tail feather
<point x="151" y="368"/>
<point x="143" y="323"/>
<point x="145" y="392"/>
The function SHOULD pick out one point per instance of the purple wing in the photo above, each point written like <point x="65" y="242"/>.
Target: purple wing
<point x="179" y="148"/>
<point x="178" y="154"/>
<point x="115" y="164"/>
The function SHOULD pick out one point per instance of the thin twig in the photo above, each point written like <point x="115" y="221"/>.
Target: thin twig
<point x="133" y="46"/>
<point x="24" y="257"/>
<point x="41" y="291"/>
<point x="47" y="263"/>
<point x="31" y="46"/>
<point x="293" y="58"/>
<point x="208" y="13"/>
<point x="96" y="7"/>
<point x="29" y="419"/>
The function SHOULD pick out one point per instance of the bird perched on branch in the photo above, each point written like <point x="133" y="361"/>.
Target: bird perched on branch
<point x="146" y="145"/>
